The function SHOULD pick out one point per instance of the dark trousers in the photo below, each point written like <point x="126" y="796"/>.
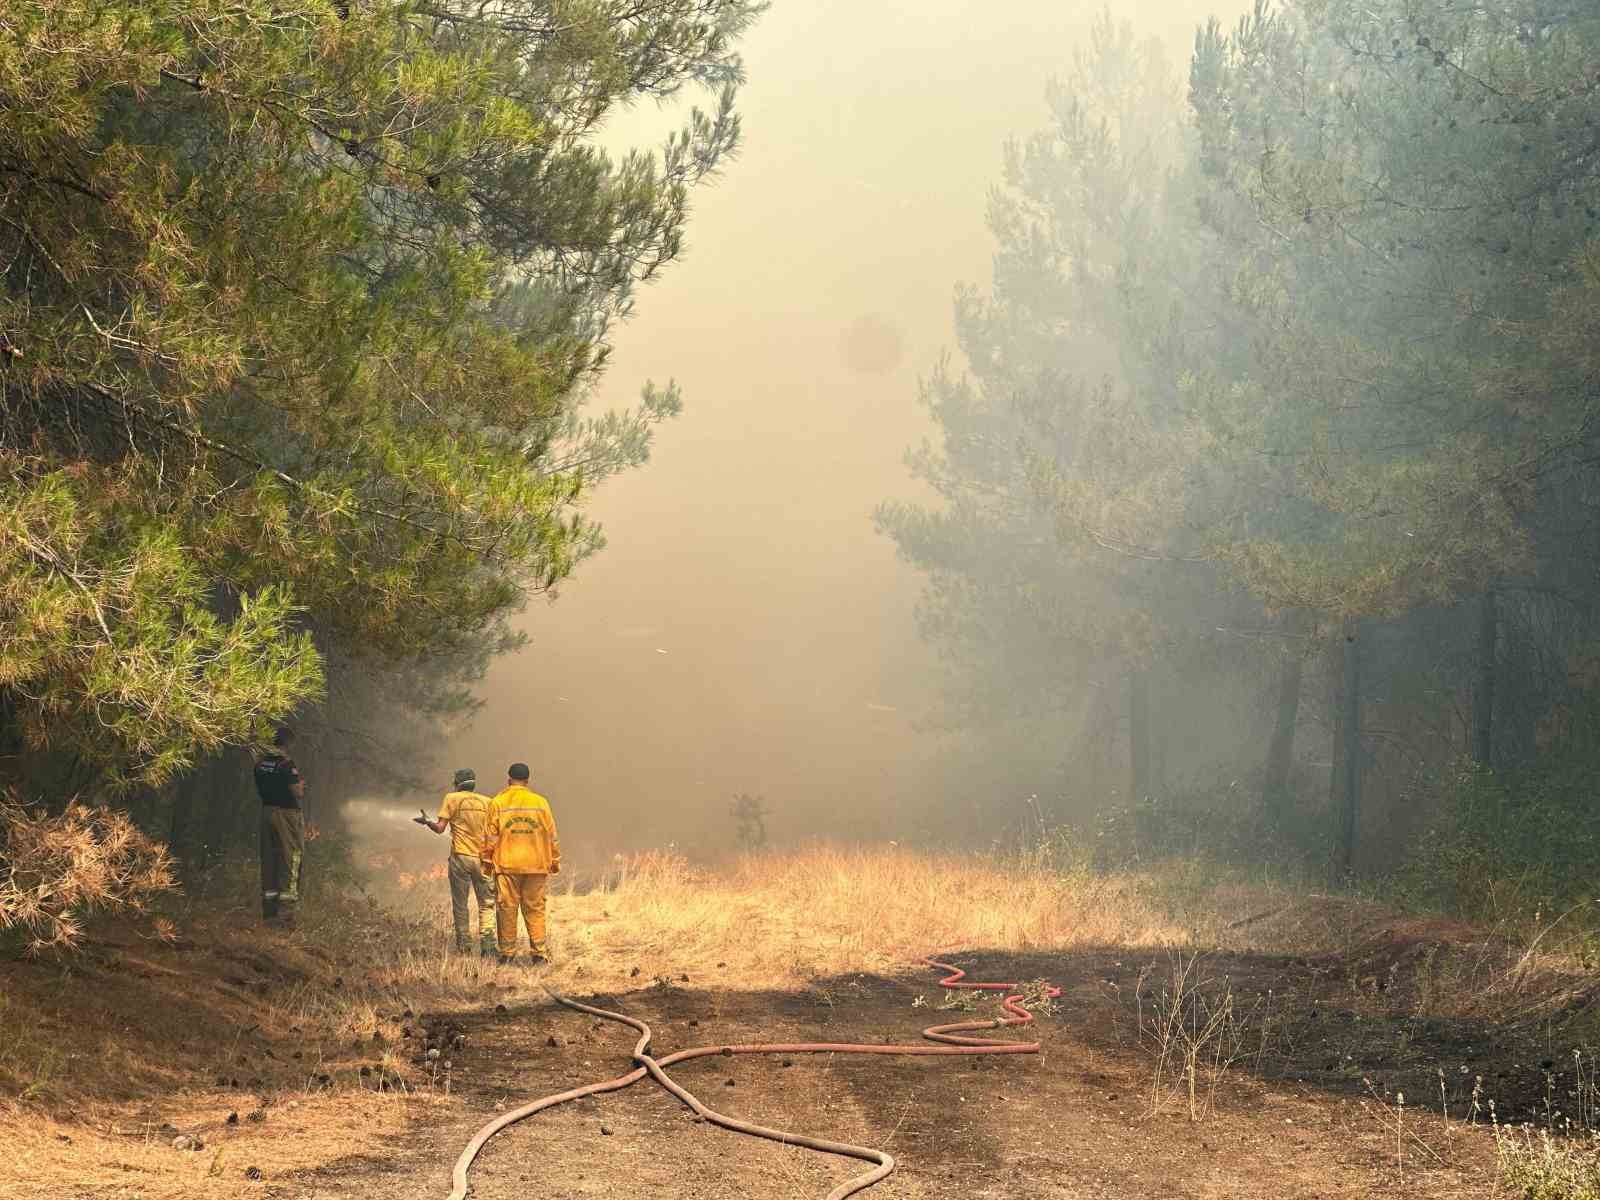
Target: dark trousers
<point x="283" y="844"/>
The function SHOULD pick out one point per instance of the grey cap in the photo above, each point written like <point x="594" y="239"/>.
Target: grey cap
<point x="466" y="777"/>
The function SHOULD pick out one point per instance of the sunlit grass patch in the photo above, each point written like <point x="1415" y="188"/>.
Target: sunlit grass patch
<point x="109" y="1151"/>
<point x="778" y="919"/>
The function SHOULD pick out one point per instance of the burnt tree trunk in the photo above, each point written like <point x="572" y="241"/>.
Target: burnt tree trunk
<point x="1139" y="733"/>
<point x="1347" y="756"/>
<point x="1483" y="692"/>
<point x="1275" y="794"/>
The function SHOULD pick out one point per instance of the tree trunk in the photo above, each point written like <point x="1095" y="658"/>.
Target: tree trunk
<point x="1349" y="750"/>
<point x="1336" y="743"/>
<point x="1155" y="783"/>
<point x="1483" y="693"/>
<point x="1139" y="732"/>
<point x="1275" y="795"/>
<point x="183" y="840"/>
<point x="217" y="788"/>
<point x="10" y="745"/>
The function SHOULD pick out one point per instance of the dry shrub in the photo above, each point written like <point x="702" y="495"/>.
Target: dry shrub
<point x="1189" y="1025"/>
<point x="1540" y="1165"/>
<point x="56" y="869"/>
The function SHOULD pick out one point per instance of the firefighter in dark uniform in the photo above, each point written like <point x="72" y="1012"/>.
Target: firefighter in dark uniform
<point x="283" y="834"/>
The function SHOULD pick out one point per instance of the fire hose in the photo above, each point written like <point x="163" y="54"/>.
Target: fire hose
<point x="953" y="1039"/>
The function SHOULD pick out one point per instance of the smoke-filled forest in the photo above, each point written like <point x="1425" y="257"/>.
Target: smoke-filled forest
<point x="1263" y="474"/>
<point x="567" y="565"/>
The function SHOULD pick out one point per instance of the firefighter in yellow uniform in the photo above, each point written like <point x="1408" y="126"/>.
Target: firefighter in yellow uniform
<point x="519" y="840"/>
<point x="464" y="813"/>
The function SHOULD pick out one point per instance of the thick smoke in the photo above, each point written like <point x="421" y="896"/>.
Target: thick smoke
<point x="746" y="630"/>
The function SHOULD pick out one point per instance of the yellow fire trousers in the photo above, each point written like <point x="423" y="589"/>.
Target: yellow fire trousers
<point x="524" y="894"/>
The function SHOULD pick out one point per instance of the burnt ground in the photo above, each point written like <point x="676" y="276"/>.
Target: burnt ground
<point x="1299" y="1104"/>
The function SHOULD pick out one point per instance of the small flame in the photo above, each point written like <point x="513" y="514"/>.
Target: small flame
<point x="434" y="874"/>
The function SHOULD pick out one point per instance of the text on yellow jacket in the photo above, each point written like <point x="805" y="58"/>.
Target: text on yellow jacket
<point x="519" y="836"/>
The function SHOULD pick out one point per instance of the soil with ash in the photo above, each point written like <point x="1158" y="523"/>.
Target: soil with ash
<point x="1421" y="1009"/>
<point x="1300" y="1111"/>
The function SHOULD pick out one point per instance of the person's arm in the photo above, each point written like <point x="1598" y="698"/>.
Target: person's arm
<point x="447" y="810"/>
<point x="297" y="783"/>
<point x="555" y="847"/>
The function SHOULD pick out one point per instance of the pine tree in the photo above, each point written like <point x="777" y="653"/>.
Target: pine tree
<point x="1062" y="561"/>
<point x="1407" y="192"/>
<point x="297" y="306"/>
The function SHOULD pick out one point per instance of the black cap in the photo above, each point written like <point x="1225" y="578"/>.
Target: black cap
<point x="519" y="772"/>
<point x="466" y="777"/>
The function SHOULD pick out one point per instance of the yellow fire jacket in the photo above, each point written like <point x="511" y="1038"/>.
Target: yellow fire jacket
<point x="466" y="813"/>
<point x="519" y="836"/>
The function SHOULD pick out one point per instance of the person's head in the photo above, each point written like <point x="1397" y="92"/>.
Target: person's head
<point x="466" y="779"/>
<point x="282" y="736"/>
<point x="518" y="773"/>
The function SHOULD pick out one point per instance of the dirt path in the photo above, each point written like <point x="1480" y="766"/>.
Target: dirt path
<point x="1071" y="1122"/>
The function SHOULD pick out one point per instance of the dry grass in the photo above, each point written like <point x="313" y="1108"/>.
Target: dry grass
<point x="779" y="920"/>
<point x="782" y="919"/>
<point x="106" y="1151"/>
<point x="1537" y="1165"/>
<point x="147" y="1011"/>
<point x="136" y="1030"/>
<point x="108" y="1055"/>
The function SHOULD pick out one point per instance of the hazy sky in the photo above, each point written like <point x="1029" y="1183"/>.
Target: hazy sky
<point x="746" y="629"/>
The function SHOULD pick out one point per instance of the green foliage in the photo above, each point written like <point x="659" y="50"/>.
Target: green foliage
<point x="118" y="621"/>
<point x="1060" y="554"/>
<point x="1405" y="193"/>
<point x="1320" y="348"/>
<point x="298" y="305"/>
<point x="1517" y="847"/>
<point x="1225" y="824"/>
